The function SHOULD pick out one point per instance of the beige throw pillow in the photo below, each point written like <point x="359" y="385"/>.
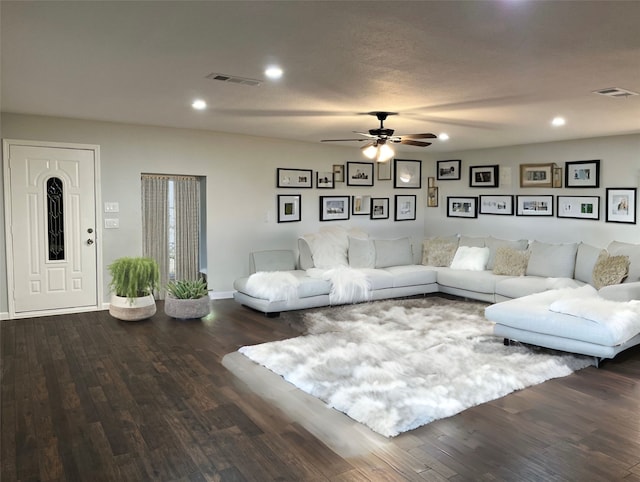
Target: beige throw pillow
<point x="510" y="262"/>
<point x="438" y="251"/>
<point x="610" y="270"/>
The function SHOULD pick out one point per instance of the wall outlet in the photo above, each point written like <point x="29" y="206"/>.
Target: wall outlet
<point x="111" y="207"/>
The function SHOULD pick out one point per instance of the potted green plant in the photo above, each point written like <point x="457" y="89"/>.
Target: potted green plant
<point x="132" y="283"/>
<point x="187" y="299"/>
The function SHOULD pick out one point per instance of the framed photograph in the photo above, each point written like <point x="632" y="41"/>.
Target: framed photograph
<point x="536" y="175"/>
<point x="582" y="174"/>
<point x="338" y="173"/>
<point x="334" y="208"/>
<point x="405" y="207"/>
<point x="432" y="197"/>
<point x="557" y="177"/>
<point x="534" y="205"/>
<point x="294" y="178"/>
<point x="621" y="205"/>
<point x="431" y="182"/>
<point x="407" y="174"/>
<point x="578" y="207"/>
<point x="483" y="176"/>
<point x="462" y="207"/>
<point x="500" y="205"/>
<point x="289" y="208"/>
<point x="360" y="205"/>
<point x="380" y="208"/>
<point x="448" y="170"/>
<point x="324" y="180"/>
<point x="359" y="173"/>
<point x="384" y="171"/>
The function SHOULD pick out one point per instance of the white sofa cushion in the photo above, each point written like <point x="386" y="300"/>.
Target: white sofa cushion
<point x="470" y="258"/>
<point x="616" y="248"/>
<point x="473" y="281"/>
<point x="586" y="258"/>
<point x="412" y="275"/>
<point x="393" y="252"/>
<point x="272" y="260"/>
<point x="527" y="285"/>
<point x="552" y="260"/>
<point x="362" y="253"/>
<point x="474" y="242"/>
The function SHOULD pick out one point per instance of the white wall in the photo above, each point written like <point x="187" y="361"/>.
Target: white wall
<point x="241" y="171"/>
<point x="619" y="167"/>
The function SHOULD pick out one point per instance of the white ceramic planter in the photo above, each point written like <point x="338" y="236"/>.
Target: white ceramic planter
<point x="186" y="309"/>
<point x="132" y="310"/>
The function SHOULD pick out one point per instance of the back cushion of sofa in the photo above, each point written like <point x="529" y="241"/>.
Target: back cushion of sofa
<point x="274" y="260"/>
<point x="552" y="260"/>
<point x="306" y="260"/>
<point x="479" y="242"/>
<point x="616" y="248"/>
<point x="494" y="243"/>
<point x="393" y="252"/>
<point x="362" y="253"/>
<point x="585" y="261"/>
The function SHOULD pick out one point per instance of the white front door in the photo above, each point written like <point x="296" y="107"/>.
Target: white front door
<point x="51" y="229"/>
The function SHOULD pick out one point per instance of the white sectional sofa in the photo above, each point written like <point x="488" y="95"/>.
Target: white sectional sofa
<point x="482" y="268"/>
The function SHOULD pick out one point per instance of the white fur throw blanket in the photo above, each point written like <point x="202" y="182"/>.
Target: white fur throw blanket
<point x="273" y="285"/>
<point x="348" y="285"/>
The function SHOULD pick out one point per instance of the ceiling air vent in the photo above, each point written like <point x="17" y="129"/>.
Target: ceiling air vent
<point x="615" y="92"/>
<point x="234" y="79"/>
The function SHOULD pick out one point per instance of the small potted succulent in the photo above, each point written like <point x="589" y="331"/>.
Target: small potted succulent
<point x="187" y="299"/>
<point x="133" y="281"/>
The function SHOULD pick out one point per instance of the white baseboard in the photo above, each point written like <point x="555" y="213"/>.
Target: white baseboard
<point x="221" y="295"/>
<point x="4" y="315"/>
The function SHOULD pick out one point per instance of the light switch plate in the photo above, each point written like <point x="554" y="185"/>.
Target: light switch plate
<point x="112" y="223"/>
<point x="111" y="207"/>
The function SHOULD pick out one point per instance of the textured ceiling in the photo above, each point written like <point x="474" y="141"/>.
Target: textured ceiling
<point x="489" y="73"/>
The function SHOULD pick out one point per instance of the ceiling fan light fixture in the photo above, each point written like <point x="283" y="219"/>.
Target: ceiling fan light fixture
<point x="384" y="153"/>
<point x="370" y="151"/>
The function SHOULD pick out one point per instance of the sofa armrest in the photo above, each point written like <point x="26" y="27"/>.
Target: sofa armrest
<point x="621" y="292"/>
<point x="272" y="260"/>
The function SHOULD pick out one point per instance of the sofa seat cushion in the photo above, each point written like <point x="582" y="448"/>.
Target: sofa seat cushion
<point x="411" y="275"/>
<point x="308" y="286"/>
<point x="378" y="279"/>
<point x="527" y="285"/>
<point x="478" y="281"/>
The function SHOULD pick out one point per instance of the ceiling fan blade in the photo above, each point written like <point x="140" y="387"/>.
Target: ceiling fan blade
<point x="415" y="143"/>
<point x="426" y="135"/>
<point x="343" y="140"/>
<point x="366" y="134"/>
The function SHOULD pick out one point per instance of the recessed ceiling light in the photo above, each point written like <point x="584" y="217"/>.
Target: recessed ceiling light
<point x="199" y="104"/>
<point x="444" y="136"/>
<point x="558" y="121"/>
<point x="273" y="72"/>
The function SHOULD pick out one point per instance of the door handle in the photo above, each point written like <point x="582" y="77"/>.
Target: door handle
<point x="89" y="242"/>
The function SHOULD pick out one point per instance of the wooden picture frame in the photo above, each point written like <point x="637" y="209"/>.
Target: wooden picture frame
<point x="448" y="170"/>
<point x="621" y="205"/>
<point x="334" y="208"/>
<point x="380" y="208"/>
<point x="289" y="208"/>
<point x="405" y="207"/>
<point x="500" y="205"/>
<point x="578" y="207"/>
<point x="534" y="205"/>
<point x="582" y="174"/>
<point x="484" y="176"/>
<point x="407" y="174"/>
<point x="359" y="173"/>
<point x="294" y="178"/>
<point x="462" y="207"/>
<point x="432" y="197"/>
<point x="537" y="175"/>
<point x="338" y="173"/>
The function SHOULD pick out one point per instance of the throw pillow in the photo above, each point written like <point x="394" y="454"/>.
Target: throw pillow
<point x="610" y="270"/>
<point x="470" y="258"/>
<point x="510" y="262"/>
<point x="439" y="251"/>
<point x="494" y="243"/>
<point x="362" y="253"/>
<point x="393" y="252"/>
<point x="616" y="248"/>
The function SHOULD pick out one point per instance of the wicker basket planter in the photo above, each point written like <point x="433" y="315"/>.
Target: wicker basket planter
<point x="133" y="309"/>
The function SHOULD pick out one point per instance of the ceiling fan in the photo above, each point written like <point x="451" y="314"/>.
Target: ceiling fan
<point x="378" y="140"/>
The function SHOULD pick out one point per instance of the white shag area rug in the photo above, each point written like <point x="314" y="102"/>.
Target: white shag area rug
<point x="397" y="365"/>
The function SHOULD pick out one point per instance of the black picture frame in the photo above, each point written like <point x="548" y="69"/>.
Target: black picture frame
<point x="500" y="205"/>
<point x="289" y="208"/>
<point x="462" y="207"/>
<point x="334" y="208"/>
<point x="534" y="205"/>
<point x="325" y="180"/>
<point x="405" y="207"/>
<point x="407" y="174"/>
<point x="582" y="174"/>
<point x="578" y="207"/>
<point x="617" y="213"/>
<point x="360" y="174"/>
<point x="448" y="170"/>
<point x="379" y="208"/>
<point x="294" y="178"/>
<point x="484" y="176"/>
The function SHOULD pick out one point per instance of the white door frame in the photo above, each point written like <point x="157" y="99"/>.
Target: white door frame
<point x="6" y="143"/>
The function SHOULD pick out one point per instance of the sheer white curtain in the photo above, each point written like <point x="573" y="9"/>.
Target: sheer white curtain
<point x="155" y="224"/>
<point x="187" y="215"/>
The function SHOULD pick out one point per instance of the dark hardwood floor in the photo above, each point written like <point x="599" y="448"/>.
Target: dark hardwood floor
<point x="88" y="398"/>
